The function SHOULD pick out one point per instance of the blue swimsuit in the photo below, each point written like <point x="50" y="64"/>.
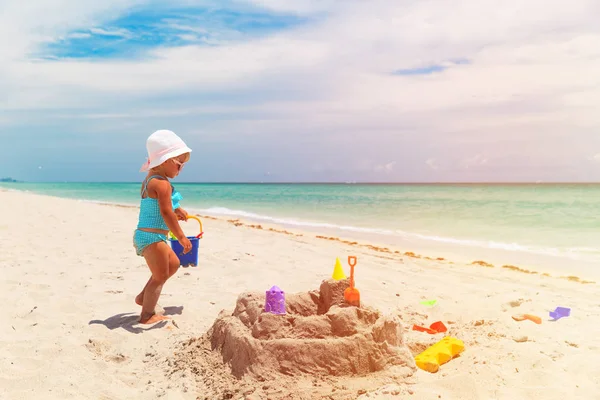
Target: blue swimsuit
<point x="151" y="218"/>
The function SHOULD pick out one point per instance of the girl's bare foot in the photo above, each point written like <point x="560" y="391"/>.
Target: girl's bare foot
<point x="139" y="300"/>
<point x="152" y="319"/>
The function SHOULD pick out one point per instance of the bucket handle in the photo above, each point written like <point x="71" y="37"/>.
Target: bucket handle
<point x="199" y="236"/>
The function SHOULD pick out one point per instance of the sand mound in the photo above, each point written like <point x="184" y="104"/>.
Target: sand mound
<point x="319" y="335"/>
<point x="320" y="347"/>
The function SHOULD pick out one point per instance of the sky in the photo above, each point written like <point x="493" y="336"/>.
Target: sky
<point x="305" y="90"/>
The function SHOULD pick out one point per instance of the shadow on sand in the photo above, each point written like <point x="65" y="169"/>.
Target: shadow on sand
<point x="130" y="321"/>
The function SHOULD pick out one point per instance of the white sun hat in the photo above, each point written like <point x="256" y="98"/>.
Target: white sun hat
<point x="162" y="145"/>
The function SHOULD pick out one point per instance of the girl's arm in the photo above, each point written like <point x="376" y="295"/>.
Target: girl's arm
<point x="181" y="214"/>
<point x="162" y="188"/>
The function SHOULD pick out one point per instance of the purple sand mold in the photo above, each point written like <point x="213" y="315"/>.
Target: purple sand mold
<point x="275" y="301"/>
<point x="560" y="312"/>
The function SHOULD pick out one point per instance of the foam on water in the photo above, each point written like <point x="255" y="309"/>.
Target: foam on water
<point x="576" y="253"/>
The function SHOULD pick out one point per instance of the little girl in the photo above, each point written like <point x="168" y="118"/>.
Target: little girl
<point x="159" y="213"/>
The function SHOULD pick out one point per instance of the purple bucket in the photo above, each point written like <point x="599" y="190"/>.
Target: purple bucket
<point x="275" y="301"/>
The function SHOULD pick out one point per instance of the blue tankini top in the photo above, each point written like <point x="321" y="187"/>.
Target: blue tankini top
<point x="150" y="216"/>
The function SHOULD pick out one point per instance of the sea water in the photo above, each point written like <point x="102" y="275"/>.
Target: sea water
<point x="555" y="226"/>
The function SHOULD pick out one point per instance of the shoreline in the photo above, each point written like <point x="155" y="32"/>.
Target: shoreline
<point x="389" y="250"/>
<point x="556" y="256"/>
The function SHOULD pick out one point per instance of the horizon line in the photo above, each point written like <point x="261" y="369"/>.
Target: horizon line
<point x="343" y="182"/>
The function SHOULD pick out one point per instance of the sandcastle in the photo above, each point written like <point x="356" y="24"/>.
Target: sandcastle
<point x="319" y="335"/>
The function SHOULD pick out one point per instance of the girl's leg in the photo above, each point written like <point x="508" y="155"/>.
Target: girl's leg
<point x="173" y="267"/>
<point x="158" y="257"/>
<point x="173" y="263"/>
<point x="139" y="299"/>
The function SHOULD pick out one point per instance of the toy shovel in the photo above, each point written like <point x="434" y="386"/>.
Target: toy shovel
<point x="351" y="294"/>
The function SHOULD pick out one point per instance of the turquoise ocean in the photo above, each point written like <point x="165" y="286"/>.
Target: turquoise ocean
<point x="550" y="226"/>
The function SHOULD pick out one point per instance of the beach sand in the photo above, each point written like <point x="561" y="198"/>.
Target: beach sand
<point x="69" y="327"/>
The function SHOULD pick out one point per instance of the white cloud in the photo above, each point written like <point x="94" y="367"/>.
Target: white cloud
<point x="188" y="37"/>
<point x="475" y="161"/>
<point x="431" y="163"/>
<point x="387" y="167"/>
<point x="401" y="40"/>
<point x="595" y="158"/>
<point x="533" y="75"/>
<point x="294" y="6"/>
<point x="110" y="32"/>
<point x="79" y="35"/>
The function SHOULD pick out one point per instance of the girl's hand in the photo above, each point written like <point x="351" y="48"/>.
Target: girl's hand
<point x="181" y="214"/>
<point x="187" y="245"/>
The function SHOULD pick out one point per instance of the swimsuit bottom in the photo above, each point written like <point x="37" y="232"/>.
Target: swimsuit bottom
<point x="142" y="239"/>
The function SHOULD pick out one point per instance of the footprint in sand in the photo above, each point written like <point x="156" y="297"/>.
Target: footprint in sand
<point x="102" y="349"/>
<point x="554" y="355"/>
<point x="514" y="303"/>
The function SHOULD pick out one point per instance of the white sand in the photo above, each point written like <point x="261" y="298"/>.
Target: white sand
<point x="69" y="330"/>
